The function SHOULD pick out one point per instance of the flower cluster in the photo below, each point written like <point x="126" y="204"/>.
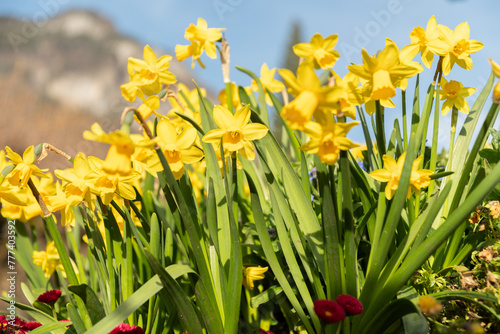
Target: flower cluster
<point x="420" y="178"/>
<point x="335" y="311"/>
<point x="17" y="325"/>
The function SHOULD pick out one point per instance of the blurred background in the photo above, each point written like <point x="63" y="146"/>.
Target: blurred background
<point x="62" y="61"/>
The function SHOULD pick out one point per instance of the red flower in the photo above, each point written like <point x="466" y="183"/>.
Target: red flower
<point x="329" y="310"/>
<point x="351" y="305"/>
<point x="49" y="297"/>
<point x="265" y="332"/>
<point x="127" y="329"/>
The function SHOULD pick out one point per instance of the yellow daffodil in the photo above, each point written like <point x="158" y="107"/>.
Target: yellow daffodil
<point x="309" y="96"/>
<point x="131" y="90"/>
<point x="251" y="274"/>
<point x="78" y="179"/>
<point x="350" y="97"/>
<point x="28" y="209"/>
<point x="183" y="104"/>
<point x="118" y="158"/>
<point x="145" y="158"/>
<point x="202" y="38"/>
<point x="178" y="149"/>
<point x="496" y="72"/>
<point x="357" y="152"/>
<point x="151" y="104"/>
<point x="235" y="96"/>
<point x="25" y="167"/>
<point x="149" y="74"/>
<point x="429" y="305"/>
<point x="392" y="173"/>
<point x="328" y="139"/>
<point x="106" y="185"/>
<point x="454" y="92"/>
<point x="49" y="260"/>
<point x="14" y="195"/>
<point x="235" y="131"/>
<point x="61" y="202"/>
<point x="405" y="58"/>
<point x="383" y="72"/>
<point x="320" y="51"/>
<point x="420" y="39"/>
<point x="268" y="81"/>
<point x="455" y="46"/>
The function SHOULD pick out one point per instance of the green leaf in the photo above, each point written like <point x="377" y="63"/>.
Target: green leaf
<point x="179" y="297"/>
<point x="94" y="306"/>
<point x="414" y="323"/>
<point x="491" y="155"/>
<point x="140" y="296"/>
<point x="55" y="327"/>
<point x="388" y="315"/>
<point x="265" y="296"/>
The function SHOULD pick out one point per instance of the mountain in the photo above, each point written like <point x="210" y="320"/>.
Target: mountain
<point x="59" y="76"/>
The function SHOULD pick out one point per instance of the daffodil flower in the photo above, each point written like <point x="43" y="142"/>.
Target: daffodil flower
<point x="309" y="96"/>
<point x="251" y="274"/>
<point x="383" y="72"/>
<point x="235" y="131"/>
<point x="120" y="150"/>
<point x="420" y="40"/>
<point x="268" y="81"/>
<point x="63" y="203"/>
<point x="455" y="46"/>
<point x="25" y="167"/>
<point x="319" y="51"/>
<point x="420" y="178"/>
<point x="151" y="104"/>
<point x="178" y="149"/>
<point x="150" y="73"/>
<point x="328" y="139"/>
<point x="496" y="71"/>
<point x="454" y="92"/>
<point x="49" y="260"/>
<point x="201" y="38"/>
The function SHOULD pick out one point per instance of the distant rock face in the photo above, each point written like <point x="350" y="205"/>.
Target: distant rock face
<point x="60" y="76"/>
<point x="76" y="59"/>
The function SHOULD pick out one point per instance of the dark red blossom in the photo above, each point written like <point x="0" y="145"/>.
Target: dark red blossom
<point x="127" y="329"/>
<point x="329" y="310"/>
<point x="265" y="332"/>
<point x="49" y="297"/>
<point x="28" y="326"/>
<point x="351" y="305"/>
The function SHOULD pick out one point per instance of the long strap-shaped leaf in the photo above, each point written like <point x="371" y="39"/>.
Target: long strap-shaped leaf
<point x="140" y="296"/>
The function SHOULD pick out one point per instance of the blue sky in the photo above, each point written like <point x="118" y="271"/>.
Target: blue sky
<point x="258" y="30"/>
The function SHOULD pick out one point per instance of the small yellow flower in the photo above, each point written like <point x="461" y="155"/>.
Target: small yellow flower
<point x="25" y="167"/>
<point x="178" y="149"/>
<point x="64" y="203"/>
<point x="118" y="158"/>
<point x="383" y="72"/>
<point x="420" y="178"/>
<point x="420" y="39"/>
<point x="151" y="72"/>
<point x="454" y="92"/>
<point x="320" y="51"/>
<point x="496" y="71"/>
<point x="309" y="96"/>
<point x="235" y="96"/>
<point x="201" y="38"/>
<point x="251" y="274"/>
<point x="429" y="305"/>
<point x="235" y="131"/>
<point x="151" y="104"/>
<point x="49" y="260"/>
<point x="268" y="81"/>
<point x="328" y="139"/>
<point x="455" y="46"/>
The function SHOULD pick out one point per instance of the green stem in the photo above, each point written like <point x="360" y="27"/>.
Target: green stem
<point x="405" y="126"/>
<point x="435" y="137"/>
<point x="229" y="97"/>
<point x="379" y="114"/>
<point x="453" y="131"/>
